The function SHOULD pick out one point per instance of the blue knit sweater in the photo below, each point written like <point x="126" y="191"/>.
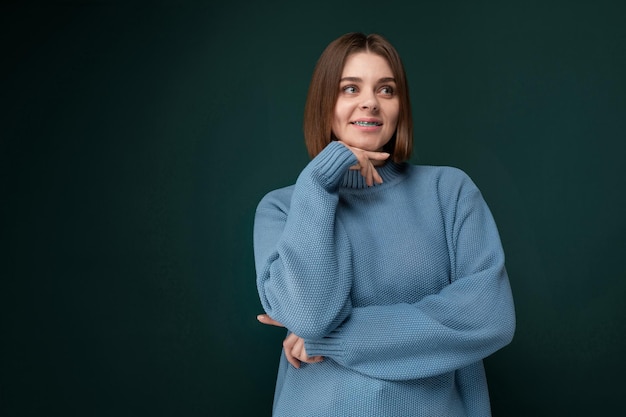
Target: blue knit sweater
<point x="401" y="287"/>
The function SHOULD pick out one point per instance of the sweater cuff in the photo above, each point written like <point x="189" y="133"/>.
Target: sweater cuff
<point x="327" y="346"/>
<point x="331" y="164"/>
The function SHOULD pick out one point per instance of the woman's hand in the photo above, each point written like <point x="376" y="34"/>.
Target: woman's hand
<point x="367" y="161"/>
<point x="295" y="351"/>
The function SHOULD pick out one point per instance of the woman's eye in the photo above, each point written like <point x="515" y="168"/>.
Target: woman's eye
<point x="386" y="90"/>
<point x="350" y="89"/>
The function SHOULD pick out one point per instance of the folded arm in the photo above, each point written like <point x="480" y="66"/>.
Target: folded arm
<point x="303" y="273"/>
<point x="466" y="321"/>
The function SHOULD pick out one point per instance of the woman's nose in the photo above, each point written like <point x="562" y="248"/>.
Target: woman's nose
<point x="370" y="102"/>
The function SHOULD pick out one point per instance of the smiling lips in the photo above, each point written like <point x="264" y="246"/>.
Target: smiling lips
<point x="367" y="123"/>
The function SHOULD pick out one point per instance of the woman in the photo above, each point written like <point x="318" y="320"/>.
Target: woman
<point x="390" y="277"/>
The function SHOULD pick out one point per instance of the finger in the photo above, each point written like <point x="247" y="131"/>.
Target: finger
<point x="365" y="165"/>
<point x="288" y="344"/>
<point x="293" y="361"/>
<point x="265" y="319"/>
<point x="377" y="156"/>
<point x="368" y="175"/>
<point x="290" y="341"/>
<point x="298" y="350"/>
<point x="314" y="359"/>
<point x="377" y="177"/>
<point x="303" y="356"/>
<point x="299" y="353"/>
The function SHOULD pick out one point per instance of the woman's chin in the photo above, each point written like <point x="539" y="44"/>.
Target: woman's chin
<point x="365" y="146"/>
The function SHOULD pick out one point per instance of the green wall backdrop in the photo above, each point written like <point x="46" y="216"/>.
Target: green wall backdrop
<point x="137" y="138"/>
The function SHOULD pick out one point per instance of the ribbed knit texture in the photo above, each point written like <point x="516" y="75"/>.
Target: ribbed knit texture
<point x="401" y="287"/>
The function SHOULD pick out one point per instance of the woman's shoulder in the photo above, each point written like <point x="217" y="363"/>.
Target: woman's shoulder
<point x="447" y="182"/>
<point x="440" y="173"/>
<point x="279" y="198"/>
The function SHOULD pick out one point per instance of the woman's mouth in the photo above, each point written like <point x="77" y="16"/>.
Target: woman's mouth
<point x="366" y="124"/>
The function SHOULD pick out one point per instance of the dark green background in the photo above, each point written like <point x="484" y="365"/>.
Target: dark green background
<point x="137" y="139"/>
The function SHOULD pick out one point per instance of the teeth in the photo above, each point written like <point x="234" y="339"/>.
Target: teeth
<point x="366" y="123"/>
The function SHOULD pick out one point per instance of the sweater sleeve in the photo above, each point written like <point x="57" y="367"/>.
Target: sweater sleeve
<point x="303" y="273"/>
<point x="466" y="321"/>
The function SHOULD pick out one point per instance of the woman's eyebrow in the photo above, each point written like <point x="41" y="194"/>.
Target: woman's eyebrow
<point x="353" y="79"/>
<point x="358" y="80"/>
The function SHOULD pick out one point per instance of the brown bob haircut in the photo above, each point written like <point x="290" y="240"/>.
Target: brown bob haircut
<point x="324" y="90"/>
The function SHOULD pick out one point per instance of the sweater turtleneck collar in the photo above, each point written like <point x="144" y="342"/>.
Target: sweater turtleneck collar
<point x="390" y="172"/>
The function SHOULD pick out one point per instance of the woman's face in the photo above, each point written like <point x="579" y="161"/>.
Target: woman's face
<point x="367" y="108"/>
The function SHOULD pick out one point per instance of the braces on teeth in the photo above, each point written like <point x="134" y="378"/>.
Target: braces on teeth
<point x="366" y="123"/>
